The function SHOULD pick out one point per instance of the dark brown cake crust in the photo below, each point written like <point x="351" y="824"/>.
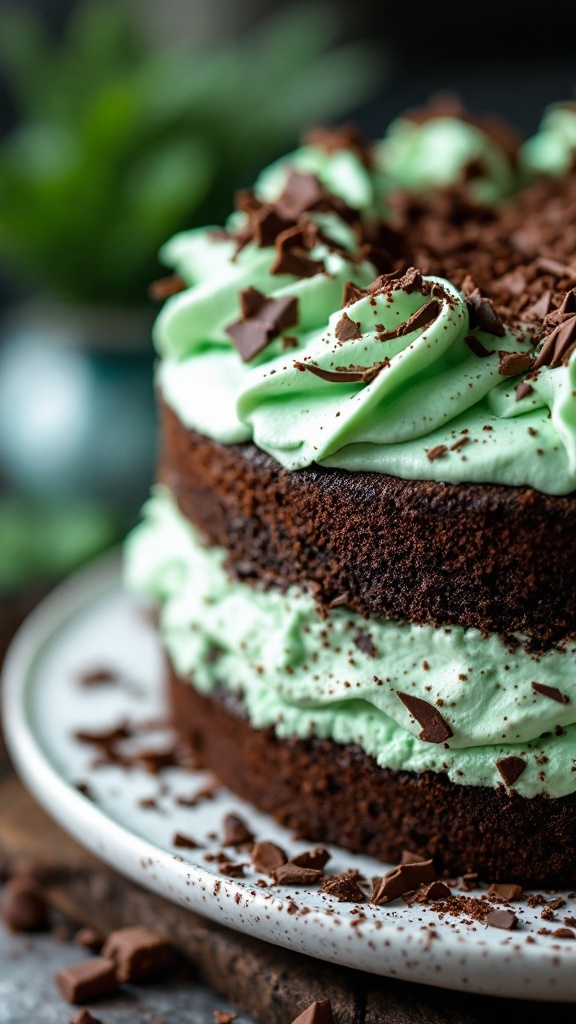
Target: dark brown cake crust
<point x="333" y="794"/>
<point x="497" y="558"/>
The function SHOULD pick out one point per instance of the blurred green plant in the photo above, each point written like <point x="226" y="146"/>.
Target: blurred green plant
<point x="121" y="143"/>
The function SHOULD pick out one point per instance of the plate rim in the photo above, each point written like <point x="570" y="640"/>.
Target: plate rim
<point x="83" y="818"/>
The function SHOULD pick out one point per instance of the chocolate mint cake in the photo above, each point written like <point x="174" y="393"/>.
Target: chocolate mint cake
<point x="363" y="535"/>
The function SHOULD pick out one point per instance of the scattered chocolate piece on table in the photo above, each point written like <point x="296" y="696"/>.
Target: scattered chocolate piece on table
<point x="85" y="1017"/>
<point x="88" y="980"/>
<point x="89" y="938"/>
<point x="138" y="953"/>
<point x="319" y="1012"/>
<point x="22" y="908"/>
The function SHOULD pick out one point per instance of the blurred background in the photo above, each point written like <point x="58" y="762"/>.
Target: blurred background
<point x="124" y="120"/>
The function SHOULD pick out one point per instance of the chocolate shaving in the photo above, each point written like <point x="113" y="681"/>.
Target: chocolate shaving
<point x="476" y="346"/>
<point x="511" y="768"/>
<point x="185" y="842"/>
<point x="351" y="293"/>
<point x="523" y="389"/>
<point x="539" y="309"/>
<point x="401" y="880"/>
<point x="483" y="316"/>
<point x="513" y="363"/>
<point x="364" y="642"/>
<point x="559" y="345"/>
<point x="263" y="321"/>
<point x="552" y="692"/>
<point x="434" y="728"/>
<point x="347" y="329"/>
<point x="343" y="375"/>
<point x="418" y="321"/>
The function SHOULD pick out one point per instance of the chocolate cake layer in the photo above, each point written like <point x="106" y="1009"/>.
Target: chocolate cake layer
<point x="333" y="794"/>
<point x="501" y="559"/>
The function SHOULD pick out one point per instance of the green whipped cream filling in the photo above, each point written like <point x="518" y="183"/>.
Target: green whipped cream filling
<point x="305" y="674"/>
<point x="552" y="149"/>
<point x="438" y="151"/>
<point x="434" y="391"/>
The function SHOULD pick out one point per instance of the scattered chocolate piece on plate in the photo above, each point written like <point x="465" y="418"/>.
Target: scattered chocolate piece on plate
<point x="501" y="919"/>
<point x="266" y="857"/>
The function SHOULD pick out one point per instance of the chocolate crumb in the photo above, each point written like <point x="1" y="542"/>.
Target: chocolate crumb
<point x="222" y="1017"/>
<point x="236" y="832"/>
<point x="344" y="888"/>
<point x="185" y="842"/>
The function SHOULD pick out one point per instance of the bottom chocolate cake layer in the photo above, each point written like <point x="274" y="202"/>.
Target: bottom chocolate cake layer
<point x="329" y="793"/>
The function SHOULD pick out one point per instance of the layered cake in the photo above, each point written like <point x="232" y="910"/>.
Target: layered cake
<point x="362" y="539"/>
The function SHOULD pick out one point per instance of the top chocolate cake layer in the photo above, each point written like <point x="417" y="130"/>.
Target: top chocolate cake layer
<point x="495" y="558"/>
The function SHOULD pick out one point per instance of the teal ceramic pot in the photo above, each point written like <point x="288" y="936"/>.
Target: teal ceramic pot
<point x="77" y="417"/>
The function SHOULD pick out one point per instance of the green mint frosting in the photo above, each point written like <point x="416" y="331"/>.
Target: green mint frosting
<point x="438" y="151"/>
<point x="339" y="675"/>
<point x="551" y="150"/>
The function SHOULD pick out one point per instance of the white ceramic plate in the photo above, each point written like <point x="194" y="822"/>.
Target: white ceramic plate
<point x="90" y="622"/>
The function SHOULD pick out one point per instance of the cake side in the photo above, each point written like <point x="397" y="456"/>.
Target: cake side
<point x="327" y="792"/>
<point x="418" y="550"/>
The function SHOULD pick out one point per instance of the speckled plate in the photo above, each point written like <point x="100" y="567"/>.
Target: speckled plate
<point x="131" y="817"/>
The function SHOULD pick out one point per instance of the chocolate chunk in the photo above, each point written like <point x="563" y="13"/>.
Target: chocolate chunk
<point x="305" y="192"/>
<point x="364" y="642"/>
<point x="91" y="979"/>
<point x="85" y="1017"/>
<point x="483" y="316"/>
<point x="408" y="857"/>
<point x="166" y="287"/>
<point x="22" y="909"/>
<point x="564" y="933"/>
<point x="222" y="1017"/>
<point x="513" y="363"/>
<point x="343" y="375"/>
<point x="316" y="859"/>
<point x="89" y="938"/>
<point x="401" y="880"/>
<point x="476" y="346"/>
<point x="264" y="320"/>
<point x="347" y="329"/>
<point x="511" y="768"/>
<point x="507" y="891"/>
<point x="351" y="293"/>
<point x="319" y="1012"/>
<point x="434" y="728"/>
<point x="138" y="953"/>
<point x="268" y="225"/>
<point x="344" y="888"/>
<point x="552" y="692"/>
<point x="236" y="831"/>
<point x="266" y="857"/>
<point x="523" y="389"/>
<point x="437" y="452"/>
<point x="433" y="892"/>
<point x="185" y="842"/>
<point x="501" y="919"/>
<point x="294" y="874"/>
